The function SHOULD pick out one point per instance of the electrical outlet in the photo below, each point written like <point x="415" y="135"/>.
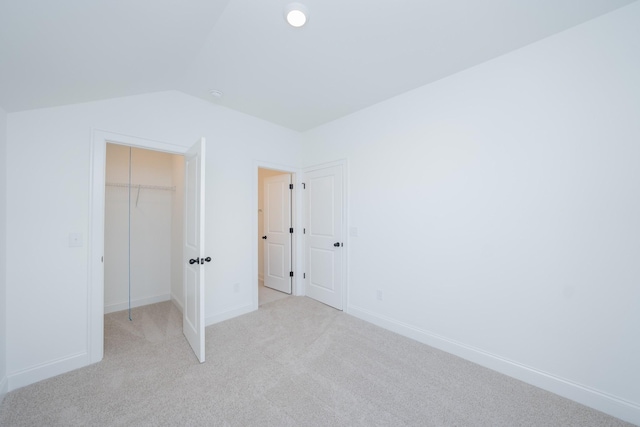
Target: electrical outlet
<point x="75" y="240"/>
<point x="379" y="295"/>
<point x="236" y="287"/>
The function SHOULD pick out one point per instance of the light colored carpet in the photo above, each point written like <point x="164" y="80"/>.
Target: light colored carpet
<point x="294" y="362"/>
<point x="267" y="295"/>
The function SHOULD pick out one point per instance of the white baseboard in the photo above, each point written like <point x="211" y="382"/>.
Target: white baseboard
<point x="177" y="302"/>
<point x="612" y="405"/>
<point x="136" y="303"/>
<point x="229" y="314"/>
<point x="47" y="370"/>
<point x="4" y="388"/>
<point x="60" y="366"/>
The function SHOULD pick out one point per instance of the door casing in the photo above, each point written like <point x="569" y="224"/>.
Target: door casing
<point x="95" y="289"/>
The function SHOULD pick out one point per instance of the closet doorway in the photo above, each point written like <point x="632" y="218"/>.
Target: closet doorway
<point x="194" y="238"/>
<point x="143" y="244"/>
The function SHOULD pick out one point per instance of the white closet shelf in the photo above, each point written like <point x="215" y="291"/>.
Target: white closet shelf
<point x="141" y="186"/>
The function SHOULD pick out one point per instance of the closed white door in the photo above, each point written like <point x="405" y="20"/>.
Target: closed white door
<point x="195" y="259"/>
<point x="324" y="235"/>
<point x="277" y="233"/>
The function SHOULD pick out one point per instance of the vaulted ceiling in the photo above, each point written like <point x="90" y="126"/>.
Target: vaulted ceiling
<point x="350" y="55"/>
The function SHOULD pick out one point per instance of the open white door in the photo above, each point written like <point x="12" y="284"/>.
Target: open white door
<point x="193" y="279"/>
<point x="324" y="235"/>
<point x="277" y="235"/>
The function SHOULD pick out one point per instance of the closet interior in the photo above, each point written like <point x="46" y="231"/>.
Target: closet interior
<point x="143" y="228"/>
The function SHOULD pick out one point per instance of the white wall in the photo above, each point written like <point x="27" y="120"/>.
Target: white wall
<point x="48" y="158"/>
<point x="498" y="211"/>
<point x="150" y="212"/>
<point x="262" y="174"/>
<point x="3" y="255"/>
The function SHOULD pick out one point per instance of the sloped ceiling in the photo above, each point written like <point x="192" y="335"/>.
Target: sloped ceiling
<point x="350" y="55"/>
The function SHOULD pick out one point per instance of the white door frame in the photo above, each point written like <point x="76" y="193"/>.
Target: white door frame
<point x="95" y="288"/>
<point x="297" y="286"/>
<point x="345" y="216"/>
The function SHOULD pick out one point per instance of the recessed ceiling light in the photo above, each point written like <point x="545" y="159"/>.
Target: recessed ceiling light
<point x="296" y="14"/>
<point x="215" y="93"/>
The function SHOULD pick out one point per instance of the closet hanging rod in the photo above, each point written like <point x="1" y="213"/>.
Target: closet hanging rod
<point x="147" y="187"/>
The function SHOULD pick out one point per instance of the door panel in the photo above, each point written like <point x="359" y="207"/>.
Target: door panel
<point x="276" y="260"/>
<point x="321" y="206"/>
<point x="324" y="260"/>
<point x="277" y="221"/>
<point x="322" y="268"/>
<point x="193" y="313"/>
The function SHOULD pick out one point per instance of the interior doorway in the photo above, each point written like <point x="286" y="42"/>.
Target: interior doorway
<point x="275" y="235"/>
<point x="194" y="241"/>
<point x="143" y="233"/>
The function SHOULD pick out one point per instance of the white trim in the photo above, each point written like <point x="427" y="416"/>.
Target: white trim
<point x="139" y="142"/>
<point x="95" y="292"/>
<point x="4" y="388"/>
<point x="344" y="163"/>
<point x="593" y="398"/>
<point x="229" y="313"/>
<point x="177" y="302"/>
<point x="47" y="370"/>
<point x="297" y="287"/>
<point x="136" y="303"/>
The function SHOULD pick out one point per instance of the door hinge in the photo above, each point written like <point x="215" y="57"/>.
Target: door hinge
<point x="291" y="274"/>
<point x="291" y="230"/>
<point x="304" y="231"/>
<point x="304" y="186"/>
<point x="304" y="275"/>
<point x="290" y="186"/>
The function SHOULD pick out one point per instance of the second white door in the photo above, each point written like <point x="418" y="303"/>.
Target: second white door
<point x="324" y="235"/>
<point x="277" y="233"/>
